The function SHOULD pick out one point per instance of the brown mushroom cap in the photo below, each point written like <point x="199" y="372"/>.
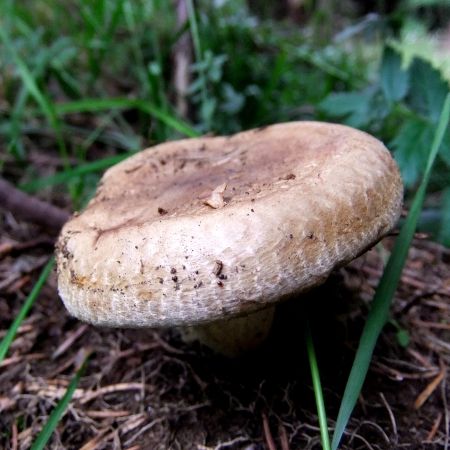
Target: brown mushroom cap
<point x="292" y="202"/>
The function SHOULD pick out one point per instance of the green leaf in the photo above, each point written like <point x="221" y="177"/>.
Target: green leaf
<point x="57" y="413"/>
<point x="394" y="80"/>
<point x="428" y="89"/>
<point x="5" y="343"/>
<point x="386" y="288"/>
<point x="355" y="107"/>
<point x="410" y="148"/>
<point x="444" y="233"/>
<point x="403" y="338"/>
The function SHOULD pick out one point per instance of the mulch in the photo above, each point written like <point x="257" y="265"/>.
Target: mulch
<point x="147" y="389"/>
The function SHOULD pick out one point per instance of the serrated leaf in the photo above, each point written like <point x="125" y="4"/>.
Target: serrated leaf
<point x="428" y="89"/>
<point x="410" y="148"/>
<point x="354" y="107"/>
<point x="394" y="80"/>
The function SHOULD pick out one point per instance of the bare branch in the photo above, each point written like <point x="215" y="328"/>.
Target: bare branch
<point x="31" y="209"/>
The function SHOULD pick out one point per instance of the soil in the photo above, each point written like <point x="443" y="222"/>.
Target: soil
<point x="150" y="390"/>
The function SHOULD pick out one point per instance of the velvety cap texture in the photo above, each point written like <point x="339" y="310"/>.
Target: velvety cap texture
<point x="196" y="230"/>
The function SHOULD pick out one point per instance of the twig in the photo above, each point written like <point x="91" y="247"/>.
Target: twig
<point x="426" y="393"/>
<point x="231" y="443"/>
<point x="71" y="338"/>
<point x="14" y="247"/>
<point x="373" y="425"/>
<point x="144" y="429"/>
<point x="284" y="440"/>
<point x="99" y="437"/>
<point x="119" y="387"/>
<point x="391" y="417"/>
<point x="267" y="434"/>
<point x="436" y="325"/>
<point x="31" y="209"/>
<point x="182" y="60"/>
<point x="106" y="414"/>
<point x="446" y="412"/>
<point x="434" y="428"/>
<point x="14" y="437"/>
<point x="22" y="358"/>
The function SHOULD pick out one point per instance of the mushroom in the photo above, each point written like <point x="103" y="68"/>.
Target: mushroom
<point x="291" y="202"/>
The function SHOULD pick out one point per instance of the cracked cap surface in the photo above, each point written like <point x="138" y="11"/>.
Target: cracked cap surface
<point x="196" y="230"/>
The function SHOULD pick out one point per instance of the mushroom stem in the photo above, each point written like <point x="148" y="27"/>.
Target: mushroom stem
<point x="235" y="336"/>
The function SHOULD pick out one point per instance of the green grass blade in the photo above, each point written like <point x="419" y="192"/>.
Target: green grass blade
<point x="193" y="25"/>
<point x="325" y="437"/>
<point x="7" y="340"/>
<point x="96" y="105"/>
<point x="57" y="413"/>
<point x="67" y="175"/>
<point x="108" y="34"/>
<point x="386" y="289"/>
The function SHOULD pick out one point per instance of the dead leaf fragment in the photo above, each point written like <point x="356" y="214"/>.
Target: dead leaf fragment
<point x="216" y="200"/>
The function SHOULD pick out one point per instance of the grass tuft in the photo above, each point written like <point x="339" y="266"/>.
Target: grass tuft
<point x="45" y="104"/>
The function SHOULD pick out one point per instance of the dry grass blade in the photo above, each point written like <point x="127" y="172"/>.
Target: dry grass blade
<point x="111" y="389"/>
